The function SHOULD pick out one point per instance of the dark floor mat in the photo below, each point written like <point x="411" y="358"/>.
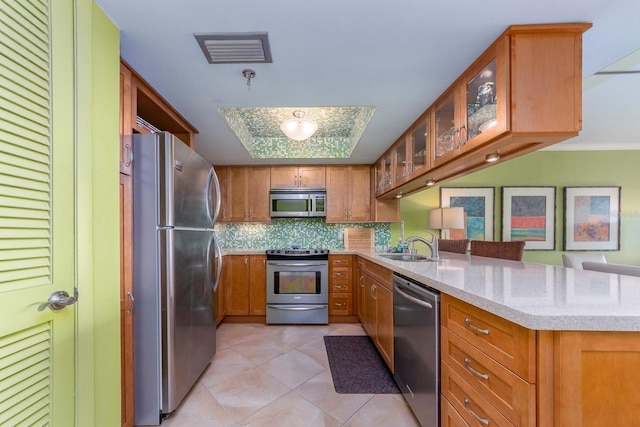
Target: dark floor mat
<point x="357" y="367"/>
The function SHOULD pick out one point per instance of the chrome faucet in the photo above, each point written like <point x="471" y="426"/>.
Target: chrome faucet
<point x="432" y="245"/>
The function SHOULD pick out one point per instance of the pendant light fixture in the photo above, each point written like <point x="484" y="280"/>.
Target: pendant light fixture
<point x="299" y="128"/>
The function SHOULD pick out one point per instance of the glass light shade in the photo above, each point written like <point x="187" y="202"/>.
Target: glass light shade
<point x="299" y="128"/>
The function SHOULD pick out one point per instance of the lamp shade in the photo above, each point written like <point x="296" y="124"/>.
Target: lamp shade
<point x="299" y="128"/>
<point x="453" y="218"/>
<point x="435" y="218"/>
<point x="446" y="218"/>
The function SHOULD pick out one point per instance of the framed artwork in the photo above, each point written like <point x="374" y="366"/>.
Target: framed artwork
<point x="529" y="214"/>
<point x="478" y="205"/>
<point x="591" y="218"/>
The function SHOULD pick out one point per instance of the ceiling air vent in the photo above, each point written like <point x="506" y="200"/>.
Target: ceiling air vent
<point x="234" y="48"/>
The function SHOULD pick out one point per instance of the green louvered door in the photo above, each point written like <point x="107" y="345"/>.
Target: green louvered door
<point x="37" y="375"/>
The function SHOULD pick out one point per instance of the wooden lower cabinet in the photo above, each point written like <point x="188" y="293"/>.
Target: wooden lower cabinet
<point x="449" y="417"/>
<point x="376" y="307"/>
<point x="220" y="295"/>
<point x="340" y="285"/>
<point x="498" y="372"/>
<point x="596" y="379"/>
<point x="126" y="300"/>
<point x="245" y="282"/>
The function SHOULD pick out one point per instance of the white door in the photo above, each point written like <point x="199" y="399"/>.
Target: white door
<point x="37" y="196"/>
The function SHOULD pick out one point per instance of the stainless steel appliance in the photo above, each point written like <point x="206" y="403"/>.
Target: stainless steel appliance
<point x="297" y="203"/>
<point x="416" y="347"/>
<point x="298" y="286"/>
<point x="177" y="264"/>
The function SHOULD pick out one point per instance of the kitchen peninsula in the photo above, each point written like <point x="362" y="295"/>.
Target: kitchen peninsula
<point x="571" y="337"/>
<point x="531" y="344"/>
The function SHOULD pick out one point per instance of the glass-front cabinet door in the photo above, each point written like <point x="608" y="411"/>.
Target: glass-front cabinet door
<point x="383" y="173"/>
<point x="418" y="146"/>
<point x="481" y="101"/>
<point x="401" y="163"/>
<point x="446" y="127"/>
<point x="486" y="98"/>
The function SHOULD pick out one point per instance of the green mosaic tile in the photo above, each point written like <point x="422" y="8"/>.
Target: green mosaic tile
<point x="282" y="233"/>
<point x="339" y="130"/>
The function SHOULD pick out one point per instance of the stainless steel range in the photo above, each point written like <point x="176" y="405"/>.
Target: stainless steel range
<point x="297" y="286"/>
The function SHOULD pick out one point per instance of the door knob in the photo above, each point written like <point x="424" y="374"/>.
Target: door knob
<point x="59" y="300"/>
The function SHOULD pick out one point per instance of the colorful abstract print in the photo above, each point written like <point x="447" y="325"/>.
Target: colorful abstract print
<point x="528" y="221"/>
<point x="591" y="219"/>
<point x="474" y="210"/>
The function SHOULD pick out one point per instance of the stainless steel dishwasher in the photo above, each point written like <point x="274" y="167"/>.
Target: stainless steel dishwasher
<point x="416" y="346"/>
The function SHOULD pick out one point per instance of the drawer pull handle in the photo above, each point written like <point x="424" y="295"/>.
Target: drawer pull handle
<point x="475" y="328"/>
<point x="484" y="421"/>
<point x="341" y="304"/>
<point x="473" y="371"/>
<point x="339" y="274"/>
<point x="340" y="286"/>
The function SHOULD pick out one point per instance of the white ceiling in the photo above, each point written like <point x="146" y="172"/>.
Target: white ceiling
<point x="395" y="55"/>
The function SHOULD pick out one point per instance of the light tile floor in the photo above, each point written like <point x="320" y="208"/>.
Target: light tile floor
<point x="272" y="375"/>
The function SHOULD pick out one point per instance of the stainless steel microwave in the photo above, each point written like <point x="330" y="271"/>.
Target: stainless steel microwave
<point x="298" y="203"/>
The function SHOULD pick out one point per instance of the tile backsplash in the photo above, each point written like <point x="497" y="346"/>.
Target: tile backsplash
<point x="283" y="233"/>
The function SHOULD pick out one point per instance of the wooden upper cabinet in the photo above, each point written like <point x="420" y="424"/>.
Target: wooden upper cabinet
<point x="522" y="94"/>
<point x="140" y="103"/>
<point x="126" y="129"/>
<point x="348" y="193"/>
<point x="410" y="152"/>
<point x="384" y="173"/>
<point x="247" y="194"/>
<point x="298" y="177"/>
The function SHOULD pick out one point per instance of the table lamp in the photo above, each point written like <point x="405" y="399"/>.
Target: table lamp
<point x="445" y="219"/>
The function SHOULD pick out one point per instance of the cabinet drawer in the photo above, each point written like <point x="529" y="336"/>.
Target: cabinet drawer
<point x="340" y="304"/>
<point x="340" y="260"/>
<point x="449" y="417"/>
<point x="511" y="345"/>
<point x="340" y="286"/>
<point x="468" y="402"/>
<point x="340" y="276"/>
<point x="381" y="274"/>
<point x="509" y="394"/>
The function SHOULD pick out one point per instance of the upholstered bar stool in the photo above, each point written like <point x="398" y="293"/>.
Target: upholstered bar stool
<point x="503" y="250"/>
<point x="458" y="246"/>
<point x="576" y="260"/>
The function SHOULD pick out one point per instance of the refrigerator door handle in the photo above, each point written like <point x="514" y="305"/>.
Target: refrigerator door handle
<point x="214" y="210"/>
<point x="219" y="266"/>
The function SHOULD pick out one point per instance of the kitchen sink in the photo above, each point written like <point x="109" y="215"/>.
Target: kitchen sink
<point x="407" y="257"/>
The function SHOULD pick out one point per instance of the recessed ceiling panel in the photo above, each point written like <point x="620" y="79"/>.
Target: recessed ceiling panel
<point x="339" y="130"/>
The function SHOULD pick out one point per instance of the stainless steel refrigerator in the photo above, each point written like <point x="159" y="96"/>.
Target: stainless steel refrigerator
<point x="177" y="264"/>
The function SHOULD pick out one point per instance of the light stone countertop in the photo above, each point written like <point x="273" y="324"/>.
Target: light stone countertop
<point x="536" y="296"/>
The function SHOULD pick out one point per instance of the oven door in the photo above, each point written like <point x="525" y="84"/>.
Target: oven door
<point x="297" y="282"/>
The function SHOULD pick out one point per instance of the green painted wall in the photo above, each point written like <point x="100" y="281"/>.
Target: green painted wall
<point x="98" y="319"/>
<point x="544" y="168"/>
<point x="105" y="111"/>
